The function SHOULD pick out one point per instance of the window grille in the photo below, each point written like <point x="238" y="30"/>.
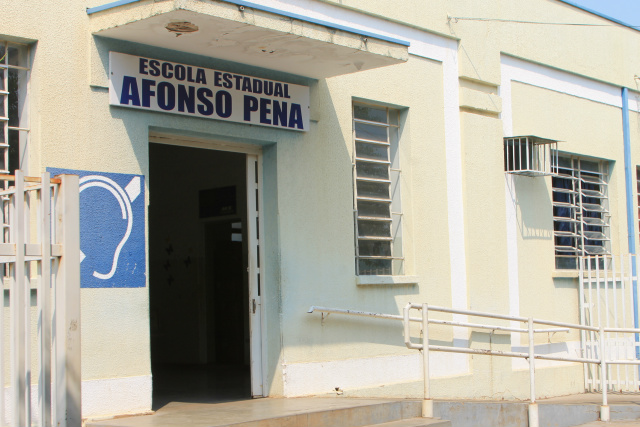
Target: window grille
<point x="377" y="208"/>
<point x="13" y="98"/>
<point x="530" y="156"/>
<point x="581" y="218"/>
<point x="13" y="129"/>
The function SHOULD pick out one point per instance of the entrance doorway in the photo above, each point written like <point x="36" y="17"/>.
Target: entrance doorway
<point x="205" y="335"/>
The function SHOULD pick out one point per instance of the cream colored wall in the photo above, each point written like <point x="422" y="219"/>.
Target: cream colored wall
<point x="484" y="225"/>
<point x="586" y="128"/>
<point x="602" y="53"/>
<point x="322" y="270"/>
<point x="583" y="126"/>
<point x="590" y="129"/>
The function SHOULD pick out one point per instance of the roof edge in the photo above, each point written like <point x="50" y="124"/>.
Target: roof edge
<point x="252" y="5"/>
<point x="601" y="15"/>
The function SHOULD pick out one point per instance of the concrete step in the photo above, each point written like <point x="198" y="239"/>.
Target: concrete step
<point x="302" y="412"/>
<point x="622" y="423"/>
<point x="463" y="413"/>
<point x="563" y="413"/>
<point x="415" y="422"/>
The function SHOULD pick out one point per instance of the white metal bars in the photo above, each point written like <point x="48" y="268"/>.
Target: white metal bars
<point x="606" y="300"/>
<point x="530" y="156"/>
<point x="42" y="257"/>
<point x="581" y="218"/>
<point x="377" y="204"/>
<point x="14" y="128"/>
<point x="14" y="66"/>
<point x="4" y="105"/>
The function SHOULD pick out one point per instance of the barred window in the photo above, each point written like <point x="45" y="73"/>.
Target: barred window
<point x="581" y="218"/>
<point x="14" y="70"/>
<point x="377" y="207"/>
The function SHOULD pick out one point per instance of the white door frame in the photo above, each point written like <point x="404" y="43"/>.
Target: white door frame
<point x="255" y="240"/>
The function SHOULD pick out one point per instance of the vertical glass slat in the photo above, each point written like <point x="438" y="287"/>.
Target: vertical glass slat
<point x="384" y="130"/>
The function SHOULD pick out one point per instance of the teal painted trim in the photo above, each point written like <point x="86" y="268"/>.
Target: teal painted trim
<point x="91" y="10"/>
<point x="601" y="15"/>
<point x="252" y="5"/>
<point x="243" y="3"/>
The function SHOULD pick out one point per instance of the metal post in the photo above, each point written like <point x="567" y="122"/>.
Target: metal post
<point x="18" y="306"/>
<point x="582" y="315"/>
<point x="44" y="303"/>
<point x="427" y="402"/>
<point x="67" y="307"/>
<point x="406" y="323"/>
<point x="604" y="409"/>
<point x="533" y="406"/>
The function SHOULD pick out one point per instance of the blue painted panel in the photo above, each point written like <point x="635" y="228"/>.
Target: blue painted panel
<point x="112" y="229"/>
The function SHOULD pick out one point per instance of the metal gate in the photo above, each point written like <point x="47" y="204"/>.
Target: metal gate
<point x="40" y="323"/>
<point x="607" y="299"/>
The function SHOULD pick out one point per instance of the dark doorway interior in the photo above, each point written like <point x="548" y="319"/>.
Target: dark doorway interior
<point x="198" y="284"/>
<point x="226" y="320"/>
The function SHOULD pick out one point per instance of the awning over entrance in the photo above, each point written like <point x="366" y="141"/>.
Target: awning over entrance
<point x="249" y="35"/>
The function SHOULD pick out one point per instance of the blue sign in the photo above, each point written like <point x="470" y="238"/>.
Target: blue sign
<point x="112" y="229"/>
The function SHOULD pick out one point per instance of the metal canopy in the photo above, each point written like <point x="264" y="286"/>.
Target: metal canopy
<point x="249" y="36"/>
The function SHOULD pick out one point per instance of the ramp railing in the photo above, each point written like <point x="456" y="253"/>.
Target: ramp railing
<point x="530" y="355"/>
<point x="39" y="259"/>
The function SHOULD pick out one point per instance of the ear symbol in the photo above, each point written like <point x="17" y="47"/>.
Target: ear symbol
<point x="124" y="198"/>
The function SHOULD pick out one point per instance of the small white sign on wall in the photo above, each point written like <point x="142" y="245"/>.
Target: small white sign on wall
<point x="170" y="87"/>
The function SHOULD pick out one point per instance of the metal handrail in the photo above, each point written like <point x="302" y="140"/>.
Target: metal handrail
<point x="427" y="404"/>
<point x="438" y="322"/>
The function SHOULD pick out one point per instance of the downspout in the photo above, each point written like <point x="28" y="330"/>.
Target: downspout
<point x="626" y="132"/>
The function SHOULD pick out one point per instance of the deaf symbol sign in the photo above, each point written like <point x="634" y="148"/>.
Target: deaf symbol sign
<point x="112" y="235"/>
<point x="124" y="199"/>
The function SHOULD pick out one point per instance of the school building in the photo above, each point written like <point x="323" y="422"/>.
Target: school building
<point x="241" y="161"/>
